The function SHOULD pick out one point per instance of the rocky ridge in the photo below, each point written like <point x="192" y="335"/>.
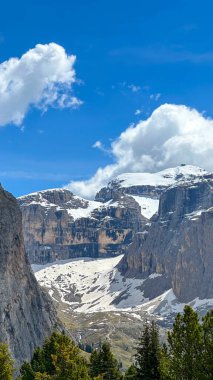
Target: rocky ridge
<point x="59" y="225"/>
<point x="26" y="312"/>
<point x="178" y="245"/>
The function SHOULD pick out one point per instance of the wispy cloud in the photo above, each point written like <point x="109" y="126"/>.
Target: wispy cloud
<point x="128" y="86"/>
<point x="99" y="145"/>
<point x="138" y="112"/>
<point x="134" y="87"/>
<point x="155" y="97"/>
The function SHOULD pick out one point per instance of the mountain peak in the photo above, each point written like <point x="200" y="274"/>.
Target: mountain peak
<point x="165" y="177"/>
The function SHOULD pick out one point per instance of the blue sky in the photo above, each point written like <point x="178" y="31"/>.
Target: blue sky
<point x="131" y="55"/>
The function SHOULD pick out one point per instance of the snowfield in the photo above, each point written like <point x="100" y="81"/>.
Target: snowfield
<point x="88" y="285"/>
<point x="165" y="177"/>
<point x="149" y="206"/>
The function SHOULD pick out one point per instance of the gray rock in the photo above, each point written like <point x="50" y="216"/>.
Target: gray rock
<point x="52" y="231"/>
<point x="179" y="242"/>
<point x="26" y="312"/>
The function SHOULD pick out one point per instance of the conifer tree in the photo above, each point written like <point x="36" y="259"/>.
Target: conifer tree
<point x="94" y="364"/>
<point x="207" y="328"/>
<point x="58" y="359"/>
<point x="164" y="363"/>
<point x="131" y="373"/>
<point x="147" y="356"/>
<point x="186" y="346"/>
<point x="6" y="363"/>
<point x="104" y="363"/>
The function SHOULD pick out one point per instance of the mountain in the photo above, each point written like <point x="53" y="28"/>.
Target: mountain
<point x="60" y="225"/>
<point x="141" y="249"/>
<point x="178" y="245"/>
<point x="27" y="315"/>
<point x="160" y="222"/>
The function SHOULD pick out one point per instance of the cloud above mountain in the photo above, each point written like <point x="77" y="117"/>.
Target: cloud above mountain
<point x="172" y="135"/>
<point x="42" y="77"/>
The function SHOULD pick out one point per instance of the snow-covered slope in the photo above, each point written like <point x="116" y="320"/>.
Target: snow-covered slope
<point x="149" y="206"/>
<point x="146" y="188"/>
<point x="165" y="177"/>
<point x="76" y="207"/>
<point x="88" y="285"/>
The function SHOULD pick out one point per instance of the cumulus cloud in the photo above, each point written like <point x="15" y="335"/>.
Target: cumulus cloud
<point x="172" y="135"/>
<point x="42" y="77"/>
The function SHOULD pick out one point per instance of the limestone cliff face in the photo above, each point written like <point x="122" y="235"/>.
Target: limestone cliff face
<point x="60" y="225"/>
<point x="178" y="245"/>
<point x="26" y="313"/>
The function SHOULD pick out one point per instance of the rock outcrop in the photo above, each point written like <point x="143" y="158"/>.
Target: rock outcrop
<point x="59" y="225"/>
<point x="178" y="248"/>
<point x="26" y="312"/>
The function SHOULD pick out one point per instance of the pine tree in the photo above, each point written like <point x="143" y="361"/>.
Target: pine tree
<point x="94" y="364"/>
<point x="58" y="359"/>
<point x="69" y="364"/>
<point x="147" y="356"/>
<point x="164" y="363"/>
<point x="6" y="363"/>
<point x="104" y="363"/>
<point x="154" y="350"/>
<point x="186" y="346"/>
<point x="207" y="328"/>
<point x="27" y="372"/>
<point x="131" y="373"/>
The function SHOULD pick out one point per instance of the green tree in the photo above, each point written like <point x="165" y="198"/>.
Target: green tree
<point x="27" y="372"/>
<point x="164" y="363"/>
<point x="103" y="362"/>
<point x="69" y="364"/>
<point x="94" y="364"/>
<point x="147" y="356"/>
<point x="6" y="363"/>
<point x="42" y="376"/>
<point x="58" y="359"/>
<point x="207" y="328"/>
<point x="131" y="373"/>
<point x="185" y="345"/>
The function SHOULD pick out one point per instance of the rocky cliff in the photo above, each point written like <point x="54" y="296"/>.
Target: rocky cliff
<point x="178" y="246"/>
<point x="26" y="313"/>
<point x="59" y="225"/>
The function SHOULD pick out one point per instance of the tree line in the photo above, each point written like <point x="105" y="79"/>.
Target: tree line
<point x="186" y="355"/>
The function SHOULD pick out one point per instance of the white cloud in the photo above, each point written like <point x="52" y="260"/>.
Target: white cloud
<point x="134" y="88"/>
<point x="138" y="112"/>
<point x="155" y="97"/>
<point x="42" y="77"/>
<point x="172" y="135"/>
<point x="98" y="144"/>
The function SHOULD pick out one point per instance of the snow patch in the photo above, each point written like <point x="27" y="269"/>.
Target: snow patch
<point x="88" y="285"/>
<point x="149" y="206"/>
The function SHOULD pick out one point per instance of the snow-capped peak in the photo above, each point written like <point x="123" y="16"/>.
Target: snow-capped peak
<point x="165" y="177"/>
